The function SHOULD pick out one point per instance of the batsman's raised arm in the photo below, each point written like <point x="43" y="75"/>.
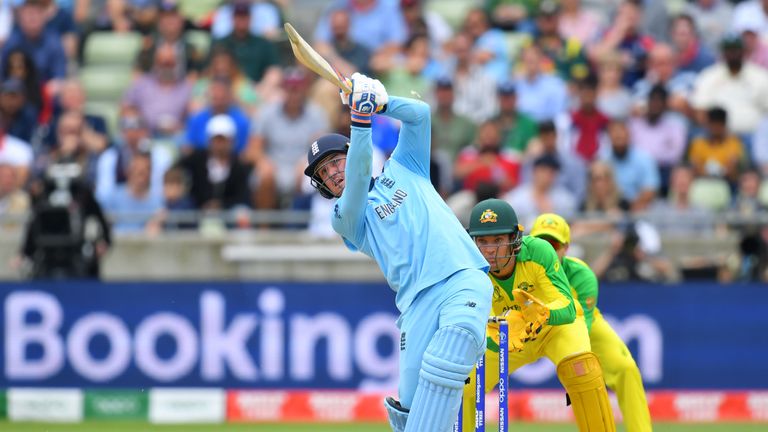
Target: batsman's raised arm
<point x="413" y="147"/>
<point x="366" y="98"/>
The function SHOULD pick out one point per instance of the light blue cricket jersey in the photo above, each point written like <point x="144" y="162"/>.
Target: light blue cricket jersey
<point x="399" y="219"/>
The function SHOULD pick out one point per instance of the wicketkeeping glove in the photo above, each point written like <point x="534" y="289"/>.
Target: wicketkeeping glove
<point x="368" y="97"/>
<point x="534" y="311"/>
<point x="516" y="326"/>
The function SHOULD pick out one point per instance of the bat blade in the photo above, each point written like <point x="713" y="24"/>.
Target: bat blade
<point x="310" y="58"/>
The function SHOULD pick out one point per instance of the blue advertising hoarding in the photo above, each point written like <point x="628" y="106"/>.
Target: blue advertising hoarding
<point x="335" y="335"/>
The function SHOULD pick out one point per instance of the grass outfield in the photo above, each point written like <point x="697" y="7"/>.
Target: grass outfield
<point x="513" y="427"/>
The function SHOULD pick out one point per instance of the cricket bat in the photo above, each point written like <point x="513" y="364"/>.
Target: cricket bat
<point x="310" y="58"/>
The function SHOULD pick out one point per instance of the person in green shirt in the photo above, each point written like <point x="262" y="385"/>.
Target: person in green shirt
<point x="451" y="132"/>
<point x="619" y="368"/>
<point x="517" y="128"/>
<point x="526" y="274"/>
<point x="255" y="55"/>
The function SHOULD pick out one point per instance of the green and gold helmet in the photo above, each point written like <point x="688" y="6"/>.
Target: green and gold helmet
<point x="493" y="216"/>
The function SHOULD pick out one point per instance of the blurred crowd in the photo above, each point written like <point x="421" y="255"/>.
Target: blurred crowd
<point x="646" y="115"/>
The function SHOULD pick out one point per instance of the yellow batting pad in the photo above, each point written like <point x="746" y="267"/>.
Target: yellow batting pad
<point x="582" y="377"/>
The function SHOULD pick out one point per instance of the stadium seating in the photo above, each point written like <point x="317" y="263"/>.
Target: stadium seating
<point x="710" y="193"/>
<point x="112" y="49"/>
<point x="105" y="83"/>
<point x="197" y="10"/>
<point x="109" y="110"/>
<point x="453" y="11"/>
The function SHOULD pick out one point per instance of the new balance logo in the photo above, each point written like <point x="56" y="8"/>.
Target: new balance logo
<point x="471" y="304"/>
<point x="315" y="149"/>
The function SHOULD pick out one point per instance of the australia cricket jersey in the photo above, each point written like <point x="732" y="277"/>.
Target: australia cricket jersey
<point x="583" y="286"/>
<point x="539" y="272"/>
<point x="398" y="218"/>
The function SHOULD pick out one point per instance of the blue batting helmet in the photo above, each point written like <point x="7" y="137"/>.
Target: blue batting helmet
<point x="328" y="144"/>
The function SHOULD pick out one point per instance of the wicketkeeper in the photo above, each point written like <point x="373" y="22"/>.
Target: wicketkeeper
<point x="531" y="291"/>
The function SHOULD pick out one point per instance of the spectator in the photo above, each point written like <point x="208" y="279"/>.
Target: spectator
<point x="162" y="95"/>
<point x="747" y="203"/>
<point x="143" y="15"/>
<point x="578" y="23"/>
<point x="256" y="56"/>
<point x="414" y="71"/>
<point x="60" y="22"/>
<point x="740" y="87"/>
<point x="420" y="21"/>
<point x="220" y="101"/>
<point x="486" y="162"/>
<point x="451" y="131"/>
<point x="567" y="55"/>
<point x="474" y="90"/>
<point x="661" y="133"/>
<point x="588" y="122"/>
<point x="541" y="95"/>
<point x="511" y="15"/>
<point x="176" y="191"/>
<point x="72" y="98"/>
<point x="718" y="153"/>
<point x="266" y="22"/>
<point x="676" y="214"/>
<point x="14" y="201"/>
<point x="626" y="37"/>
<point x="603" y="195"/>
<point x="170" y="31"/>
<point x="635" y="255"/>
<point x="662" y="70"/>
<point x="636" y="173"/>
<point x="17" y="117"/>
<point x="114" y="163"/>
<point x="74" y="144"/>
<point x="376" y="24"/>
<point x="517" y="129"/>
<point x="712" y="18"/>
<point x="752" y="11"/>
<point x="100" y="15"/>
<point x="693" y="55"/>
<point x="20" y="66"/>
<point x="541" y="194"/>
<point x="344" y="53"/>
<point x="282" y="131"/>
<point x="755" y="45"/>
<point x="218" y="180"/>
<point x="42" y="45"/>
<point x="223" y="66"/>
<point x="573" y="171"/>
<point x="613" y="99"/>
<point x="132" y="204"/>
<point x="489" y="49"/>
<point x="603" y="207"/>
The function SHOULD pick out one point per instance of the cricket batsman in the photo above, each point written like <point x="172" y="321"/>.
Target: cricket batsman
<point x="437" y="273"/>
<point x="531" y="291"/>
<point x="619" y="368"/>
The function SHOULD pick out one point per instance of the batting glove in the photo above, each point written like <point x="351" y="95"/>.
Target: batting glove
<point x="368" y="97"/>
